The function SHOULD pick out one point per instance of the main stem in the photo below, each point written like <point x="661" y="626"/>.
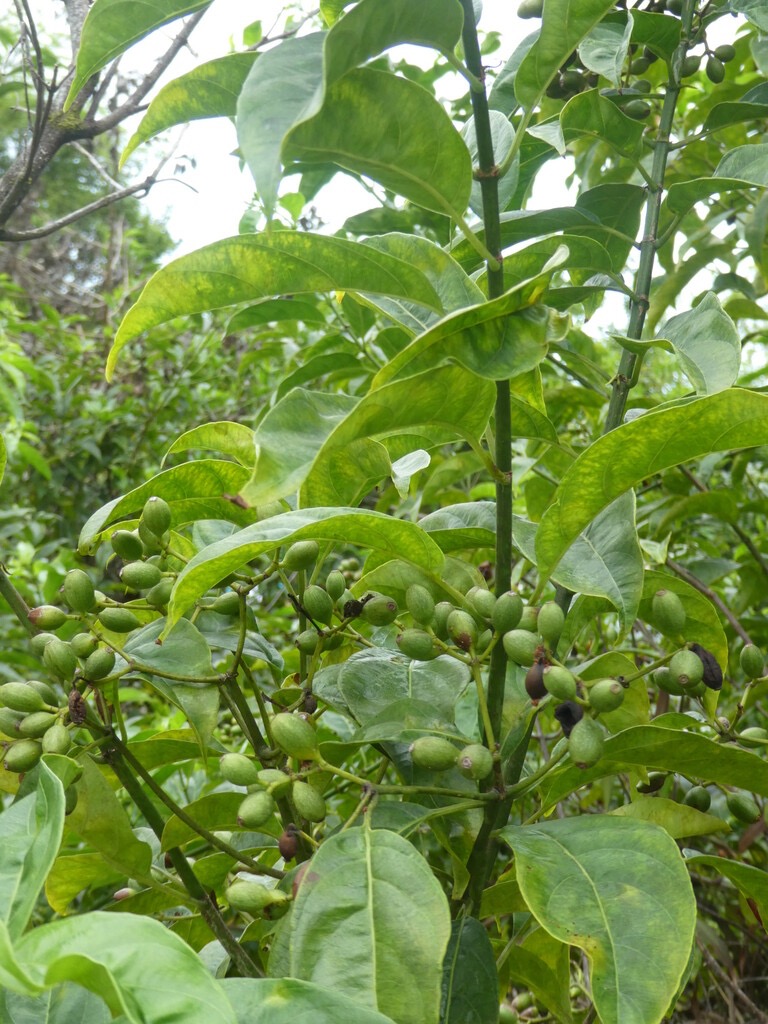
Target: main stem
<point x="481" y="859"/>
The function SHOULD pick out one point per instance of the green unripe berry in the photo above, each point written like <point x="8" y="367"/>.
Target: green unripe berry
<point x="56" y="740"/>
<point x="586" y="743"/>
<point x="462" y="629"/>
<point x="255" y="810"/>
<point x="160" y="594"/>
<point x="475" y="761"/>
<point x="22" y="755"/>
<point x="530" y="8"/>
<point x="277" y="782"/>
<point x="699" y="798"/>
<point x="560" y="682"/>
<point x="507" y="612"/>
<point x="308" y="802"/>
<point x="655" y="781"/>
<point x="318" y="604"/>
<point x="126" y="545"/>
<point x="118" y="620"/>
<point x="417" y="644"/>
<point x="686" y="668"/>
<point x="380" y="610"/>
<point x="307" y="641"/>
<point x="36" y="724"/>
<point x="83" y="644"/>
<point x="226" y="604"/>
<point x="440" y="621"/>
<point x="520" y="646"/>
<point x="482" y="601"/>
<point x="550" y="623"/>
<point x="47" y="616"/>
<point x="420" y="604"/>
<point x="59" y="658"/>
<point x="39" y="642"/>
<point x="725" y="53"/>
<point x="434" y="753"/>
<point x="754" y="736"/>
<point x="639" y="66"/>
<point x="301" y="555"/>
<point x="715" y="70"/>
<point x="140" y="575"/>
<point x="668" y="612"/>
<point x="674" y="6"/>
<point x="99" y="664"/>
<point x="335" y="584"/>
<point x="239" y="769"/>
<point x="9" y="721"/>
<point x="638" y="110"/>
<point x="20" y="697"/>
<point x="743" y="808"/>
<point x="47" y="692"/>
<point x="642" y="85"/>
<point x="529" y="620"/>
<point x="295" y="737"/>
<point x="253" y="897"/>
<point x="752" y="661"/>
<point x="78" y="592"/>
<point x="156" y="516"/>
<point x="606" y="695"/>
<point x="690" y="66"/>
<point x="152" y="544"/>
<point x="662" y="678"/>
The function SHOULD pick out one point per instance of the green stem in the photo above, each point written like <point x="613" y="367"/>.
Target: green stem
<point x="235" y="698"/>
<point x="625" y="376"/>
<point x="490" y="739"/>
<point x="206" y="903"/>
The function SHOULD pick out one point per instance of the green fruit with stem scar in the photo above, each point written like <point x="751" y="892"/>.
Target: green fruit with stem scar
<point x="520" y="646"/>
<point x="475" y="761"/>
<point x="743" y="808"/>
<point x="380" y="610"/>
<point x="550" y="623"/>
<point x="668" y="612"/>
<point x="255" y="810"/>
<point x="308" y="802"/>
<point x="586" y="743"/>
<point x="462" y="629"/>
<point x="507" y="612"/>
<point x="117" y="620"/>
<point x="434" y="753"/>
<point x="420" y="604"/>
<point x="560" y="682"/>
<point x="156" y="515"/>
<point x="36" y="724"/>
<point x="686" y="669"/>
<point x="47" y="616"/>
<point x="253" y="897"/>
<point x="77" y="590"/>
<point x="99" y="664"/>
<point x="140" y="575"/>
<point x="417" y="644"/>
<point x="752" y="661"/>
<point x="699" y="798"/>
<point x="239" y="769"/>
<point x="301" y="555"/>
<point x="126" y="545"/>
<point x="295" y="737"/>
<point x="22" y="756"/>
<point x="56" y="740"/>
<point x="318" y="604"/>
<point x="606" y="695"/>
<point x="20" y="697"/>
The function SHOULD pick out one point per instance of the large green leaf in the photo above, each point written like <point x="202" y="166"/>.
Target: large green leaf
<point x="634" y="451"/>
<point x="62" y="1004"/>
<point x="618" y="890"/>
<point x="590" y="115"/>
<point x="194" y="490"/>
<point x="228" y="438"/>
<point x="437" y="406"/>
<point x="3" y="457"/>
<point x="670" y="750"/>
<point x="112" y="26"/>
<point x="288" y="439"/>
<point x="137" y="966"/>
<point x="564" y="25"/>
<point x="393" y="131"/>
<point x="604" y="561"/>
<point x="249" y="267"/>
<point x="753" y="10"/>
<point x="605" y="49"/>
<point x="100" y="820"/>
<point x="288" y="85"/>
<point x="741" y="168"/>
<point x="30" y="833"/>
<point x="469" y="976"/>
<point x="487" y="339"/>
<point x="678" y="819"/>
<point x="210" y="90"/>
<point x="72" y="873"/>
<point x="362" y="527"/>
<point x="383" y="943"/>
<point x="288" y="1001"/>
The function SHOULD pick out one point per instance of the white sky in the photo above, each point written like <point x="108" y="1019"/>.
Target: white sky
<point x="213" y="211"/>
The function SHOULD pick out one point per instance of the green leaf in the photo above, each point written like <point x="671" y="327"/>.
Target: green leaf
<point x="3" y="457"/>
<point x="751" y="881"/>
<point x="213" y="812"/>
<point x="270" y="311"/>
<point x="679" y="820"/>
<point x="234" y="439"/>
<point x="670" y="750"/>
<point x="541" y="964"/>
<point x="30" y="834"/>
<point x="194" y="490"/>
<point x="361" y="527"/>
<point x="564" y="25"/>
<point x="656" y="31"/>
<point x="288" y="439"/>
<point x="112" y="26"/>
<point x="618" y="890"/>
<point x="73" y="873"/>
<point x="634" y="451"/>
<point x="100" y="820"/>
<point x="502" y="137"/>
<point x="469" y="976"/>
<point x="391" y="130"/>
<point x="210" y="90"/>
<point x="724" y="114"/>
<point x="288" y="1001"/>
<point x="591" y="115"/>
<point x="753" y="10"/>
<point x="61" y="1004"/>
<point x="487" y="339"/>
<point x="502" y="95"/>
<point x="437" y="406"/>
<point x="741" y="168"/>
<point x="747" y="163"/>
<point x="455" y="289"/>
<point x="135" y="964"/>
<point x="604" y="561"/>
<point x="605" y="49"/>
<point x="247" y="267"/>
<point x="374" y="680"/>
<point x="383" y="944"/>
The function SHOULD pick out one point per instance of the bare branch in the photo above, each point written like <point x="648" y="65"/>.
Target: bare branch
<point x="101" y="171"/>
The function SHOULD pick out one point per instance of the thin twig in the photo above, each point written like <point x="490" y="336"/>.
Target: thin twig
<point x="702" y="588"/>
